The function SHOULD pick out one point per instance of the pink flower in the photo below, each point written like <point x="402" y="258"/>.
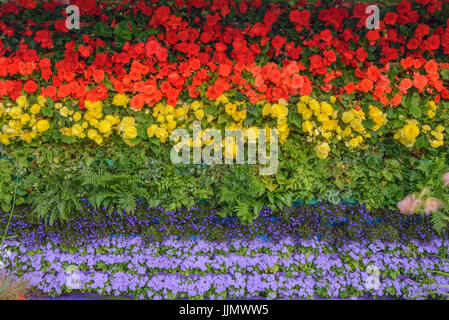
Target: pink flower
<point x="408" y="205"/>
<point x="431" y="205"/>
<point x="446" y="179"/>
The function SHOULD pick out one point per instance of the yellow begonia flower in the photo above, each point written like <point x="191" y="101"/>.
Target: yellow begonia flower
<point x="151" y="131"/>
<point x="21" y="101"/>
<point x="24" y="118"/>
<point x="120" y="100"/>
<point x="326" y="109"/>
<point x="94" y="123"/>
<point x="266" y="110"/>
<point x="180" y="112"/>
<point x="42" y="125"/>
<point x="96" y="106"/>
<point x="196" y="105"/>
<point x="127" y="122"/>
<point x="327" y="134"/>
<point x="301" y="107"/>
<point x="330" y="125"/>
<point x="347" y="116"/>
<point x="305" y="98"/>
<point x="209" y="118"/>
<point x="222" y="99"/>
<point x="98" y="139"/>
<point x="130" y="132"/>
<point x="239" y="115"/>
<point x="77" y="129"/>
<point x="307" y="126"/>
<point x="26" y="137"/>
<point x="230" y="108"/>
<point x="199" y="114"/>
<point x="279" y="111"/>
<point x="322" y="150"/>
<point x="323" y="147"/>
<point x="92" y="134"/>
<point x="160" y="118"/>
<point x="65" y="112"/>
<point x="105" y="127"/>
<point x="322" y="118"/>
<point x="353" y="143"/>
<point x="307" y="114"/>
<point x="171" y="125"/>
<point x="346" y="132"/>
<point x="35" y="108"/>
<point x="436" y="143"/>
<point x="41" y="100"/>
<point x="161" y="134"/>
<point x="314" y="104"/>
<point x="252" y="133"/>
<point x="4" y="139"/>
<point x="410" y="131"/>
<point x="15" y="112"/>
<point x="77" y="116"/>
<point x="437" y="135"/>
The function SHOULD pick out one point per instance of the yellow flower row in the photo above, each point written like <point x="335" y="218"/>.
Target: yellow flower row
<point x="323" y="123"/>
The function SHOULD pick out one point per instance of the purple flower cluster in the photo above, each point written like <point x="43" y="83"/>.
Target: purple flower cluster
<point x="286" y="269"/>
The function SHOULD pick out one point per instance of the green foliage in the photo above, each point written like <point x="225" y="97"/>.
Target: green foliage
<point x="241" y="192"/>
<point x="115" y="191"/>
<point x="57" y="200"/>
<point x="116" y="176"/>
<point x="6" y="183"/>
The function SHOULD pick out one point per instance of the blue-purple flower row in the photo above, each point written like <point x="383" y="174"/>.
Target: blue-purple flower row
<point x="322" y="222"/>
<point x="234" y="269"/>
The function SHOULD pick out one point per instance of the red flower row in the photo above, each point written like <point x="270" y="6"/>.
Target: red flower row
<point x="212" y="55"/>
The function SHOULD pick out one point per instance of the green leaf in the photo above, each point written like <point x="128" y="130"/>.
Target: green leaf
<point x="253" y="111"/>
<point x="387" y="174"/>
<point x="222" y="119"/>
<point x="295" y="119"/>
<point x="258" y="188"/>
<point x="103" y="30"/>
<point x="47" y="111"/>
<point x="414" y="105"/>
<point x="257" y="207"/>
<point x="227" y="195"/>
<point x="50" y="102"/>
<point x="107" y="82"/>
<point x="67" y="139"/>
<point x="420" y="141"/>
<point x="445" y="74"/>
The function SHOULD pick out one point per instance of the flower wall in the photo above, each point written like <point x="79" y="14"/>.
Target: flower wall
<point x="361" y="114"/>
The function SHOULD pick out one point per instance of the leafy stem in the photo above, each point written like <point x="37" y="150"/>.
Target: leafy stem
<point x="10" y="213"/>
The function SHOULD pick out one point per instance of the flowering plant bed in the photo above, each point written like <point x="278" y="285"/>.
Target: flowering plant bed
<point x="99" y="99"/>
<point x="333" y="223"/>
<point x="236" y="269"/>
<point x="277" y="264"/>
